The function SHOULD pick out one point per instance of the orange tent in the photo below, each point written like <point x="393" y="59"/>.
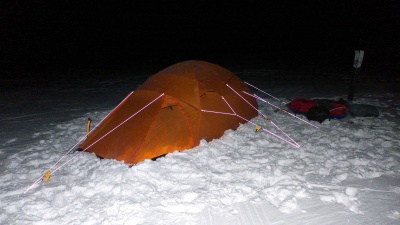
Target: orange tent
<point x="173" y="110"/>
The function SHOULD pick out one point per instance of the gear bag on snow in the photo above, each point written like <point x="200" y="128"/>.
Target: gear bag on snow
<point x="363" y="110"/>
<point x="319" y="109"/>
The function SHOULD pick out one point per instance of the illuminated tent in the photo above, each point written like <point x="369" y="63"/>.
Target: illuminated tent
<point x="173" y="110"/>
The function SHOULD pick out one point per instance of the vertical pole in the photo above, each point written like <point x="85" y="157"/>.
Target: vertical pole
<point x="350" y="95"/>
<point x="358" y="58"/>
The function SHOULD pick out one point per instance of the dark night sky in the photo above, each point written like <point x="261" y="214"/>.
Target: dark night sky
<point x="67" y="35"/>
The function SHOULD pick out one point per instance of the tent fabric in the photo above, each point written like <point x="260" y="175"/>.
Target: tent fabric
<point x="175" y="121"/>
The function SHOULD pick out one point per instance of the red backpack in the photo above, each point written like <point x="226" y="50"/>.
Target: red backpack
<point x="301" y="105"/>
<point x="339" y="111"/>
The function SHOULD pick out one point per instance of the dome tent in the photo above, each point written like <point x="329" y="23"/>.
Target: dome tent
<point x="173" y="109"/>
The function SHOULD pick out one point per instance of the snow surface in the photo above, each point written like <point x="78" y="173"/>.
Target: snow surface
<point x="345" y="172"/>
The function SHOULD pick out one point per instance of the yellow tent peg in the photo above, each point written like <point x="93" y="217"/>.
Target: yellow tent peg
<point x="88" y="125"/>
<point x="47" y="175"/>
<point x="257" y="128"/>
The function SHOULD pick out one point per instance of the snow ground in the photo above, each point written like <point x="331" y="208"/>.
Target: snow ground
<point x="346" y="172"/>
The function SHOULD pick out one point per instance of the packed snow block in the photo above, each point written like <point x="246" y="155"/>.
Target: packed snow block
<point x="363" y="110"/>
